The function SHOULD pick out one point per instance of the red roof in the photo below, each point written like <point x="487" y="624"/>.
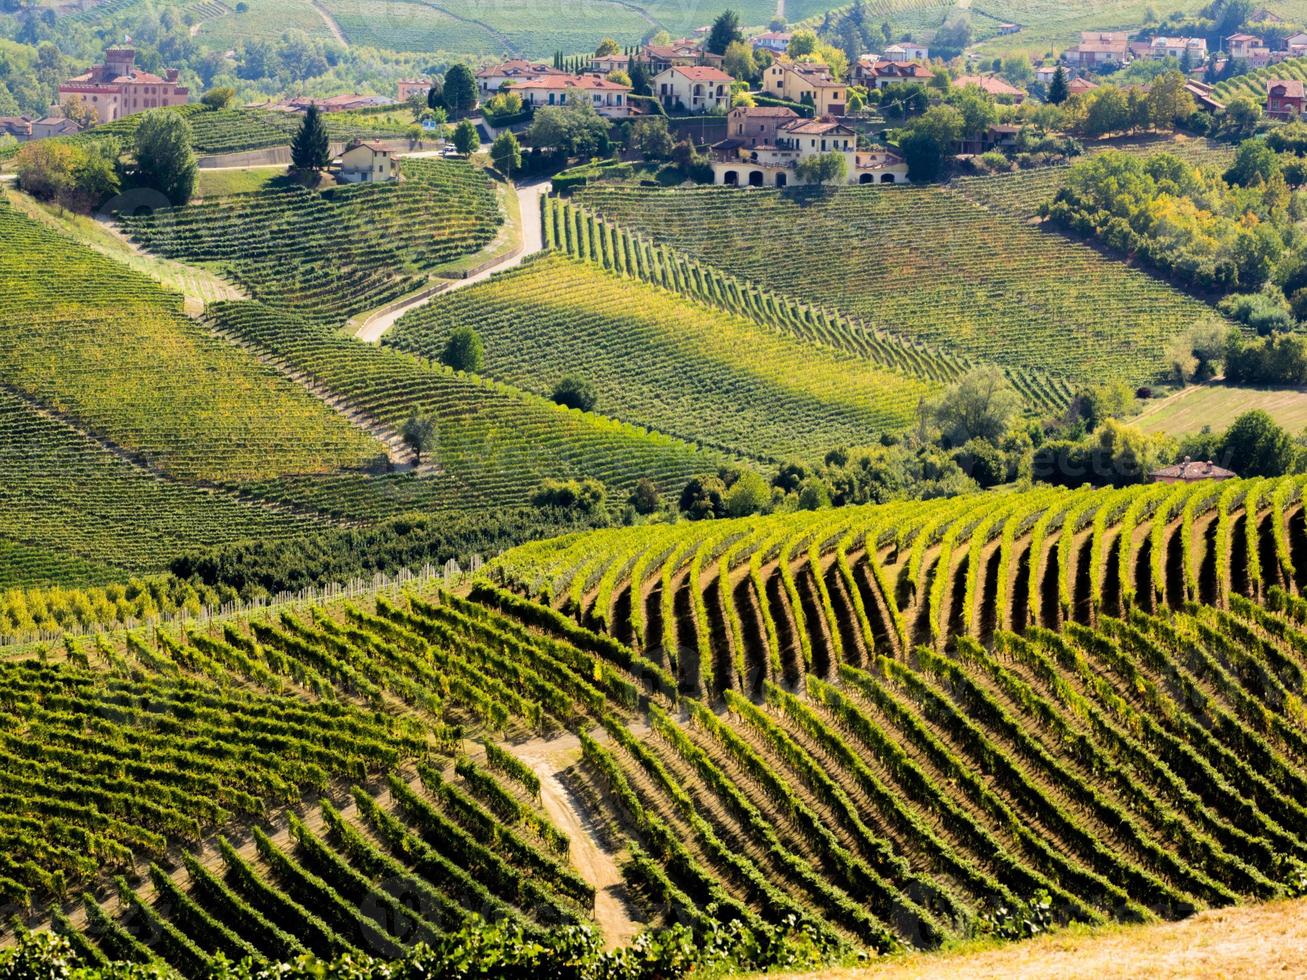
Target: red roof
<point x="519" y="66"/>
<point x="1190" y="470"/>
<point x="572" y="81"/>
<point x="702" y="73"/>
<point x="988" y="83"/>
<point x="1293" y="89"/>
<point x="814" y="127"/>
<point x="764" y="112"/>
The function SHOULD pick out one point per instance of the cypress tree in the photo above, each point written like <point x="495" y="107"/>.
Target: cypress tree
<point x="1057" y="88"/>
<point x="310" y="149"/>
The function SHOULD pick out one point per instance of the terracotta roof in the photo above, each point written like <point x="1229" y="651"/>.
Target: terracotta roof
<point x="1078" y="86"/>
<point x="765" y="112"/>
<point x="519" y="66"/>
<point x="814" y="127"/>
<point x="1192" y="469"/>
<point x="572" y="81"/>
<point x="701" y="73"/>
<point x="774" y="36"/>
<point x="988" y="83"/>
<point x="376" y="146"/>
<point x="1244" y="37"/>
<point x="896" y="69"/>
<point x="1293" y="88"/>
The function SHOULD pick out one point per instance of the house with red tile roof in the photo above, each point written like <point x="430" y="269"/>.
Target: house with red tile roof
<point x="118" y="88"/>
<point x="739" y="163"/>
<point x="1192" y="471"/>
<point x="992" y="86"/>
<point x="808" y="82"/>
<point x="757" y="125"/>
<point x="876" y="72"/>
<point x="1284" y="98"/>
<point x="609" y="99"/>
<point x="1100" y="48"/>
<point x="693" y="88"/>
<point x="367" y="161"/>
<point x="516" y="70"/>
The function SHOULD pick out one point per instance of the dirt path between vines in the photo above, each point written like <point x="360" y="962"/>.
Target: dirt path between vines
<point x="330" y="21"/>
<point x="528" y="196"/>
<point x="548" y="758"/>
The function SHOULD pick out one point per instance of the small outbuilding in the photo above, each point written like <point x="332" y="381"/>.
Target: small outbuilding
<point x="1191" y="471"/>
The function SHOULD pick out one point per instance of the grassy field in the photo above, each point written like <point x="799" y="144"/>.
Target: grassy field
<point x="1216" y="405"/>
<point x="246" y="180"/>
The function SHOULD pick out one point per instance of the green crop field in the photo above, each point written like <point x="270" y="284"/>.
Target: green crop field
<point x="109" y="348"/>
<point x="335" y="253"/>
<point x="1253" y="84"/>
<point x="1215" y="406"/>
<point x="927" y="264"/>
<point x="700" y="373"/>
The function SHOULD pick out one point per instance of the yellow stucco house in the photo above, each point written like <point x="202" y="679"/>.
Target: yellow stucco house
<point x="366" y="161"/>
<point x="806" y="81"/>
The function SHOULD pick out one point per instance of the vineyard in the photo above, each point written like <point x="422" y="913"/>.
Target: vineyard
<point x="333" y="254"/>
<point x="926" y="264"/>
<point x="1120" y="741"/>
<point x="108" y="349"/>
<point x="1253" y="83"/>
<point x="495" y="443"/>
<point x="700" y="373"/>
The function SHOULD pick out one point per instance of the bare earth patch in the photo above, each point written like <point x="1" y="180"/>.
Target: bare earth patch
<point x="1255" y="941"/>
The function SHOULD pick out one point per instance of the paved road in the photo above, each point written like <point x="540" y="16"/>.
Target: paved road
<point x="528" y="196"/>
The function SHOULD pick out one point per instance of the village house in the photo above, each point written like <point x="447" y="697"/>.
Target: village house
<point x="1177" y="47"/>
<point x="1248" y="48"/>
<point x="118" y="88"/>
<point x="751" y="126"/>
<point x="1099" y="48"/>
<point x="608" y="98"/>
<point x="1295" y="45"/>
<point x="997" y="136"/>
<point x="695" y="89"/>
<point x="413" y="87"/>
<point x="906" y="51"/>
<point x="805" y="82"/>
<point x="1202" y="94"/>
<point x="54" y="125"/>
<point x="494" y="77"/>
<point x="740" y="163"/>
<point x="993" y="86"/>
<point x="777" y="42"/>
<point x="1044" y="74"/>
<point x="1284" y="98"/>
<point x="1079" y="86"/>
<point x="19" y="127"/>
<point x="366" y="161"/>
<point x="877" y="73"/>
<point x="1191" y="471"/>
<point x="679" y="54"/>
<point x="603" y="64"/>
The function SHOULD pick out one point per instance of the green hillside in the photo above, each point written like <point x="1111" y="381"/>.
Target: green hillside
<point x="928" y="264"/>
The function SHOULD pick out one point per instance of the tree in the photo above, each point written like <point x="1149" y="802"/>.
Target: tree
<point x="823" y="168"/>
<point x="639" y="79"/>
<point x="506" y="154"/>
<point x="219" y="98"/>
<point x="650" y="137"/>
<point x="436" y="96"/>
<point x="582" y="496"/>
<point x="929" y="141"/>
<point x="749" y="494"/>
<point x="1254" y="163"/>
<point x="802" y="44"/>
<point x="1058" y="90"/>
<point x="164" y="158"/>
<point x="574" y="392"/>
<point x="463" y="350"/>
<point x="1241" y="116"/>
<point x="1195" y="354"/>
<point x="76" y="177"/>
<point x="419" y="434"/>
<point x="725" y="29"/>
<point x="1169" y="100"/>
<point x="738" y="61"/>
<point x="1108" y="111"/>
<point x="1255" y="446"/>
<point x="574" y="129"/>
<point x="77" y="110"/>
<point x="460" y="91"/>
<point x="979" y="406"/>
<point x="607" y="47"/>
<point x="466" y="138"/>
<point x="310" y="150"/>
<point x="702" y="498"/>
<point x="645" y="498"/>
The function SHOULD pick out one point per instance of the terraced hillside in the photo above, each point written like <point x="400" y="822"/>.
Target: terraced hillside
<point x="335" y="253"/>
<point x="495" y="444"/>
<point x="1123" y="759"/>
<point x="668" y="362"/>
<point x="927" y="264"/>
<point x="1253" y="83"/>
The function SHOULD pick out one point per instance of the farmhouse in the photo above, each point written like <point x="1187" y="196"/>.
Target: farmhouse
<point x="906" y="51"/>
<point x="494" y="77"/>
<point x="1079" y="86"/>
<point x="738" y="163"/>
<point x="608" y="98"/>
<point x="751" y="126"/>
<point x="1177" y="47"/>
<point x="679" y="54"/>
<point x="696" y="88"/>
<point x="54" y="126"/>
<point x="1099" y="48"/>
<point x="877" y="73"/>
<point x="1295" y="45"/>
<point x="777" y="42"/>
<point x="412" y="87"/>
<point x="346" y="102"/>
<point x="1284" y="98"/>
<point x="602" y="64"/>
<point x="1191" y="471"/>
<point x="1248" y="48"/>
<point x="19" y="127"/>
<point x="366" y="162"/>
<point x="808" y="82"/>
<point x="118" y="88"/>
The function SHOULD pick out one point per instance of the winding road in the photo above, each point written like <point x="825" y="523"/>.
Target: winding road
<point x="528" y="197"/>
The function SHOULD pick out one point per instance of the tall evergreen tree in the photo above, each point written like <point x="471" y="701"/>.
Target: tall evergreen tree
<point x="1057" y="88"/>
<point x="310" y="150"/>
<point x="725" y="29"/>
<point x="460" y="91"/>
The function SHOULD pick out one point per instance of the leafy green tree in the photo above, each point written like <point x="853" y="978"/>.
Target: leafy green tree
<point x="1254" y="163"/>
<point x="219" y="98"/>
<point x="929" y="142"/>
<point x="1169" y="101"/>
<point x="980" y="405"/>
<point x="164" y="158"/>
<point x="645" y="499"/>
<point x="460" y="91"/>
<point x="1255" y="446"/>
<point x="725" y="30"/>
<point x="639" y="79"/>
<point x="738" y="61"/>
<point x="466" y="138"/>
<point x="1058" y="89"/>
<point x="703" y="498"/>
<point x="607" y="47"/>
<point x="576" y="393"/>
<point x="310" y="149"/>
<point x="588" y="496"/>
<point x="823" y="168"/>
<point x="463" y="350"/>
<point x="419" y="434"/>
<point x="1108" y="111"/>
<point x="506" y="154"/>
<point x="574" y="129"/>
<point x="436" y="96"/>
<point x="749" y="494"/>
<point x="650" y="137"/>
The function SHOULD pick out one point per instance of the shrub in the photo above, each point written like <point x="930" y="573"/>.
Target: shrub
<point x="576" y="393"/>
<point x="463" y="350"/>
<point x="580" y="496"/>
